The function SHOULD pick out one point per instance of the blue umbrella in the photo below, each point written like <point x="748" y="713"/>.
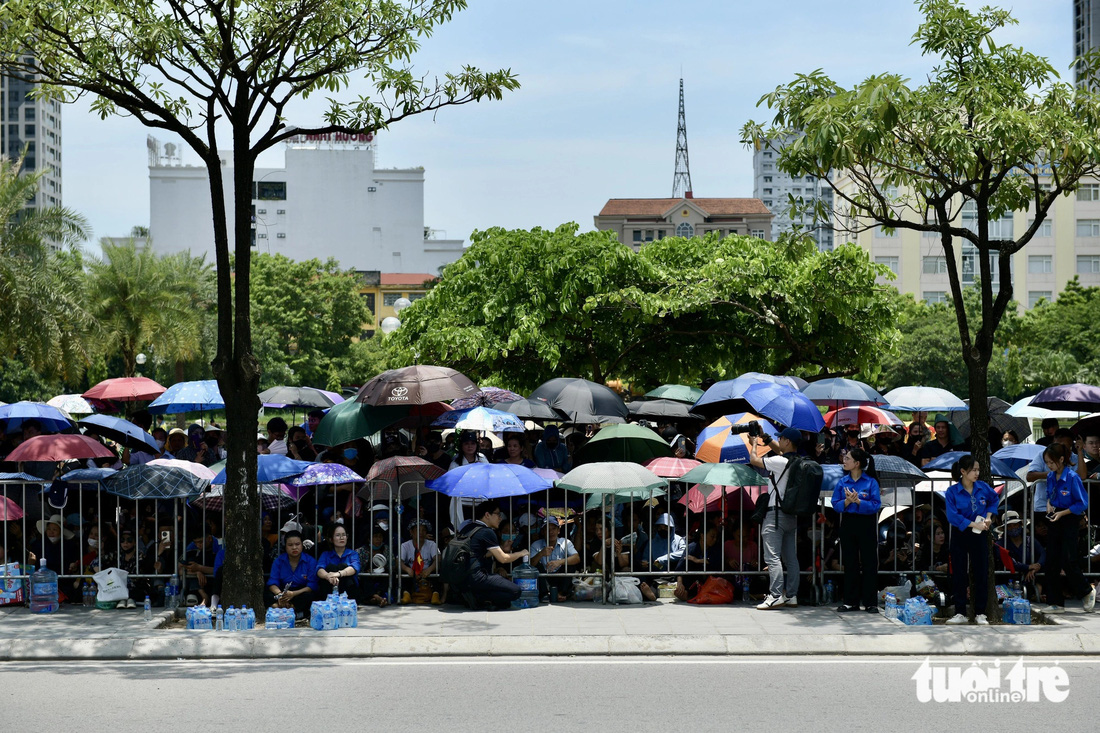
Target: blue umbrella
<point x="842" y="392"/>
<point x="726" y="396"/>
<point x="271" y="469"/>
<point x="188" y="397"/>
<point x="21" y="478"/>
<point x="1019" y="455"/>
<point x="482" y="419"/>
<point x="150" y="481"/>
<point x="121" y="431"/>
<point x="88" y="475"/>
<point x="795" y="383"/>
<point x="785" y="405"/>
<point x="488" y="481"/>
<point x="831" y="473"/>
<point x="943" y="462"/>
<point x="323" y="474"/>
<point x="51" y="418"/>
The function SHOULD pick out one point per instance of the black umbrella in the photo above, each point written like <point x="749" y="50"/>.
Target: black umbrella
<point x="583" y="401"/>
<point x="530" y="409"/>
<point x="416" y="385"/>
<point x="298" y="397"/>
<point x="662" y="408"/>
<point x="997" y="418"/>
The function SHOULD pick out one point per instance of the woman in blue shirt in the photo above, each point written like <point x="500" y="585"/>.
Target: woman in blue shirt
<point x="857" y="499"/>
<point x="338" y="568"/>
<point x="293" y="579"/>
<point x="1066" y="503"/>
<point x="971" y="505"/>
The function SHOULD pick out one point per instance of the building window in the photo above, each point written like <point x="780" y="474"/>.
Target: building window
<point x="1045" y="230"/>
<point x="28" y="114"/>
<point x="389" y="299"/>
<point x="649" y="235"/>
<point x="1040" y="264"/>
<point x="1034" y="296"/>
<point x="685" y="230"/>
<point x="253" y="237"/>
<point x="934" y="265"/>
<point x="280" y="211"/>
<point x="1088" y="227"/>
<point x="767" y="191"/>
<point x="368" y="299"/>
<point x="935" y="296"/>
<point x="881" y="233"/>
<point x="281" y="235"/>
<point x="1088" y="264"/>
<point x="758" y="233"/>
<point x="767" y="179"/>
<point x="892" y="262"/>
<point x="28" y="130"/>
<point x="263" y="211"/>
<point x="1089" y="192"/>
<point x="413" y="297"/>
<point x="768" y="203"/>
<point x="262" y="236"/>
<point x="637" y="235"/>
<point x="271" y="190"/>
<point x="767" y="154"/>
<point x="660" y="234"/>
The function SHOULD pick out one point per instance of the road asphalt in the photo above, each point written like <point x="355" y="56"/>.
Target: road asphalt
<point x="571" y="629"/>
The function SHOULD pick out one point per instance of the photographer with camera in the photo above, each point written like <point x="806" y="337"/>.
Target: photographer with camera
<point x="778" y="533"/>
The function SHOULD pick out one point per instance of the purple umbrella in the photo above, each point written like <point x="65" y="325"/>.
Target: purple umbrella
<point x="489" y="397"/>
<point x="324" y="474"/>
<point x="1079" y="397"/>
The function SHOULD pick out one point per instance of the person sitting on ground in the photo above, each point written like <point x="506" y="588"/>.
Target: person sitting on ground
<point x="704" y="554"/>
<point x="1026" y="556"/>
<point x="56" y="544"/>
<point x="934" y="553"/>
<point x="551" y="553"/>
<point x="482" y="585"/>
<point x="740" y="551"/>
<point x="197" y="564"/>
<point x="338" y="567"/>
<point x="293" y="579"/>
<point x="612" y="544"/>
<point x="419" y="559"/>
<point x="374" y="580"/>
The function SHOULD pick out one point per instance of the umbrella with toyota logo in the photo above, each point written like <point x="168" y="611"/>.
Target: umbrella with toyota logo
<point x="416" y="385"/>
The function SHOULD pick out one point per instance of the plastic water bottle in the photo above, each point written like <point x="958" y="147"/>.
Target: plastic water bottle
<point x="830" y="592"/>
<point x="891" y="605"/>
<point x="745" y="589"/>
<point x="43" y="589"/>
<point x="527" y="578"/>
<point x="147" y="614"/>
<point x="220" y="624"/>
<point x="270" y="618"/>
<point x="1017" y="589"/>
<point x="172" y="593"/>
<point x="1008" y="610"/>
<point x="287" y="615"/>
<point x="328" y="615"/>
<point x="1023" y="612"/>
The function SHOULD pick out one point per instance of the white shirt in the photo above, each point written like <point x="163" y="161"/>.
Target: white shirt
<point x="428" y="552"/>
<point x="775" y="465"/>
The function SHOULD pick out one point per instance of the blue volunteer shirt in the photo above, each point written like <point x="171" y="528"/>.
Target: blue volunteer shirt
<point x="1066" y="491"/>
<point x="870" y="497"/>
<point x="305" y="574"/>
<point x="349" y="558"/>
<point x="963" y="507"/>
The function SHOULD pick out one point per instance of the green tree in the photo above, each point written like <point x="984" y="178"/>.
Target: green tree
<point x="222" y="73"/>
<point x="365" y="358"/>
<point x="1061" y="344"/>
<point x="985" y="135"/>
<point x="521" y="307"/>
<point x="144" y="302"/>
<point x="305" y="316"/>
<point x="45" y="322"/>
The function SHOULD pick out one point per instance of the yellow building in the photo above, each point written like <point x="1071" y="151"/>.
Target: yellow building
<point x="381" y="290"/>
<point x="1066" y="245"/>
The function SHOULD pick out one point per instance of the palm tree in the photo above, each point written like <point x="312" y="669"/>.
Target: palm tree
<point x="42" y="314"/>
<point x="142" y="301"/>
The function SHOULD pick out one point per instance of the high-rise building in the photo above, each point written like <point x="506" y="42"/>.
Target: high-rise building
<point x="774" y="187"/>
<point x="1086" y="31"/>
<point x="34" y="126"/>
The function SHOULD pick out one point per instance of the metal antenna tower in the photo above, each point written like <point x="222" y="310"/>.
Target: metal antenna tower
<point x="681" y="178"/>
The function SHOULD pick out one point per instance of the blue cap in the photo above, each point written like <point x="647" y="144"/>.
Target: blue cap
<point x="792" y="434"/>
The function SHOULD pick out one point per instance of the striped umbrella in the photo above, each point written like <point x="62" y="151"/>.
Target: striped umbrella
<point x="860" y="416"/>
<point x="670" y="467"/>
<point x="718" y="444"/>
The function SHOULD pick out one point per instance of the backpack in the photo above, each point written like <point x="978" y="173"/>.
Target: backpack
<point x="803" y="491"/>
<point x="454" y="563"/>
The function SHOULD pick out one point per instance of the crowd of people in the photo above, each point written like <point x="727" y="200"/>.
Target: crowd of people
<point x="384" y="552"/>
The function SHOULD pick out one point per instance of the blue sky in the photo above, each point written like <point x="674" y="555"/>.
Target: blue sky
<point x="596" y="115"/>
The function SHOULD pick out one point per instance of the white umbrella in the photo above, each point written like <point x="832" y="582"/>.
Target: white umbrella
<point x="923" y="399"/>
<point x="73" y="404"/>
<point x="1023" y="408"/>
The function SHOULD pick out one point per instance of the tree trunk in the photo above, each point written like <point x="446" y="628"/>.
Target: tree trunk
<point x="977" y="368"/>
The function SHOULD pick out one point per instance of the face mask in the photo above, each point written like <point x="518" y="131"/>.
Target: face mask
<point x="509" y="537"/>
<point x="1016" y="532"/>
<point x="54" y="540"/>
<point x="93" y="543"/>
<point x="160" y="445"/>
<point x="384" y="526"/>
<point x="377" y="547"/>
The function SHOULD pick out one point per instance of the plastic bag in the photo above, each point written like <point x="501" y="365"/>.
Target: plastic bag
<point x="588" y="589"/>
<point x="112" y="585"/>
<point x="714" y="591"/>
<point x="626" y="590"/>
<point x="901" y="593"/>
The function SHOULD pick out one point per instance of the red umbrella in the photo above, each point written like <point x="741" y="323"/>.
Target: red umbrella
<point x="740" y="497"/>
<point x="861" y="416"/>
<point x="59" y="447"/>
<point x="9" y="510"/>
<point x="668" y="467"/>
<point x="125" y="389"/>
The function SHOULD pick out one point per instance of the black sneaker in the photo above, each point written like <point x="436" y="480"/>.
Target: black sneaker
<point x="871" y="609"/>
<point x="846" y="609"/>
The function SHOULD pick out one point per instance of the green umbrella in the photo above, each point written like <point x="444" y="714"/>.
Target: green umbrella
<point x="627" y="442"/>
<point x="352" y="420"/>
<point x="710" y="475"/>
<point x="677" y="392"/>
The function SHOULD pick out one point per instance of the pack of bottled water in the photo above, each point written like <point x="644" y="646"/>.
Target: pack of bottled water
<point x="279" y="618"/>
<point x="917" y="612"/>
<point x="240" y="619"/>
<point x="335" y="612"/>
<point x="200" y="618"/>
<point x="1016" y="610"/>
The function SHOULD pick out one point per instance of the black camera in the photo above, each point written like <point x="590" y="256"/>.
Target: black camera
<point x="752" y="428"/>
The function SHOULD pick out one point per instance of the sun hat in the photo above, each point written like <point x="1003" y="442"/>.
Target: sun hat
<point x="54" y="519"/>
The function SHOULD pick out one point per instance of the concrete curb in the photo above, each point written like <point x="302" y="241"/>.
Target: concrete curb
<point x="303" y="643"/>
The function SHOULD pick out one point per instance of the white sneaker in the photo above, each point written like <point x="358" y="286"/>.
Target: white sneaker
<point x="790" y="602"/>
<point x="1053" y="609"/>
<point x="958" y="618"/>
<point x="771" y="602"/>
<point x="981" y="620"/>
<point x="121" y="604"/>
<point x="1089" y="601"/>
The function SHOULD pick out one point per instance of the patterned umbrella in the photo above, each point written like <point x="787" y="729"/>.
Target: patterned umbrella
<point x="159" y="479"/>
<point x="675" y="392"/>
<point x="489" y="397"/>
<point x="188" y="397"/>
<point x="299" y="397"/>
<point x="737" y="497"/>
<point x="860" y="416"/>
<point x="20" y="478"/>
<point x="87" y="475"/>
<point x="9" y="510"/>
<point x="272" y="497"/>
<point x="125" y="389"/>
<point x="611" y="478"/>
<point x="670" y="467"/>
<point x="60" y="447"/>
<point x="548" y="473"/>
<point x="50" y="418"/>
<point x="73" y="404"/>
<point x="416" y="385"/>
<point x="718" y="444"/>
<point x="481" y="419"/>
<point x="325" y="474"/>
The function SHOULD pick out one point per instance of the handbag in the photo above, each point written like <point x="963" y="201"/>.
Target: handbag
<point x="112" y="585"/>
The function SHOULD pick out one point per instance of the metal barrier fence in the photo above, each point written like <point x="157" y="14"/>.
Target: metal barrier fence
<point x="612" y="538"/>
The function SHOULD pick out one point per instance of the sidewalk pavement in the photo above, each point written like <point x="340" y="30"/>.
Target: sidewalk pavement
<point x="569" y="629"/>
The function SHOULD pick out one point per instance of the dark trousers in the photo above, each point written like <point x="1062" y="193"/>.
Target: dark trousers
<point x="969" y="551"/>
<point x="564" y="586"/>
<point x="348" y="584"/>
<point x="1062" y="556"/>
<point x="300" y="602"/>
<point x="859" y="554"/>
<point x="493" y="589"/>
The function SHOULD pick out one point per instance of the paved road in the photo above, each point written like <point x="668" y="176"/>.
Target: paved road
<point x="615" y="694"/>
